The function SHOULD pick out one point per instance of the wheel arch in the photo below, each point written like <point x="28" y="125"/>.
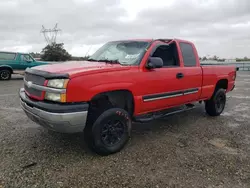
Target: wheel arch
<point x="121" y="98"/>
<point x="4" y="67"/>
<point x="222" y="83"/>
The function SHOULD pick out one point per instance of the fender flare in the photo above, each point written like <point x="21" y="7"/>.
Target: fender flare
<point x="110" y="87"/>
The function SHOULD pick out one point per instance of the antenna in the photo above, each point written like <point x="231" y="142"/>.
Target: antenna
<point x="50" y="34"/>
<point x="88" y="51"/>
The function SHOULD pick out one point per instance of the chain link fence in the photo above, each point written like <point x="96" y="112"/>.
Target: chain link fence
<point x="243" y="66"/>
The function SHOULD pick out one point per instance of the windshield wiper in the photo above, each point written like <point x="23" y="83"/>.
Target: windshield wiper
<point x="90" y="59"/>
<point x="116" y="61"/>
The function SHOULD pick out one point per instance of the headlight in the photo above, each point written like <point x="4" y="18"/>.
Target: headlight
<point x="58" y="83"/>
<point x="57" y="97"/>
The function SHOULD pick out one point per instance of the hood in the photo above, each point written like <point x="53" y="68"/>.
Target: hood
<point x="42" y="62"/>
<point x="80" y="67"/>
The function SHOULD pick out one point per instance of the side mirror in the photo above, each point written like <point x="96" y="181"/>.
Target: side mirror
<point x="154" y="62"/>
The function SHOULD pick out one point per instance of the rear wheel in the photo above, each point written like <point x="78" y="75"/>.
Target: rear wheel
<point x="5" y="74"/>
<point x="109" y="132"/>
<point x="216" y="105"/>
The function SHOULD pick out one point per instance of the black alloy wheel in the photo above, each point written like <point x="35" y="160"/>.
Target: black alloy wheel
<point x="109" y="132"/>
<point x="112" y="132"/>
<point x="217" y="103"/>
<point x="220" y="102"/>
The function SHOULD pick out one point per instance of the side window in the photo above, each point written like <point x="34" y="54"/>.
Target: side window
<point x="26" y="57"/>
<point x="7" y="56"/>
<point x="188" y="54"/>
<point x="169" y="55"/>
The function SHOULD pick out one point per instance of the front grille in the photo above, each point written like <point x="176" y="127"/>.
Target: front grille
<point x="38" y="80"/>
<point x="33" y="92"/>
<point x="34" y="79"/>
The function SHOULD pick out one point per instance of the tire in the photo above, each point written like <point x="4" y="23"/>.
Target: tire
<point x="5" y="74"/>
<point x="216" y="105"/>
<point x="109" y="132"/>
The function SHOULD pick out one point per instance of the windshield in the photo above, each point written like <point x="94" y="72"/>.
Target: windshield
<point x="124" y="52"/>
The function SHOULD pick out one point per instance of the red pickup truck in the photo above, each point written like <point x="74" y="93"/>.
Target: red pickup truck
<point x="123" y="81"/>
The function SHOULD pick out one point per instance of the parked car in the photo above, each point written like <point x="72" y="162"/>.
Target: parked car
<point x="12" y="62"/>
<point x="123" y="81"/>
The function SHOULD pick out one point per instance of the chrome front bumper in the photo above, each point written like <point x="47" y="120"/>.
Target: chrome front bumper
<point x="65" y="120"/>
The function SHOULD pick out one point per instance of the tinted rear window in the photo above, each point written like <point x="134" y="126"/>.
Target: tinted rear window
<point x="7" y="56"/>
<point x="188" y="54"/>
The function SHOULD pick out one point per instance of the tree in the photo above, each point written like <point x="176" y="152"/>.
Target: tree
<point x="55" y="52"/>
<point x="204" y="58"/>
<point x="79" y="58"/>
<point x="215" y="57"/>
<point x="35" y="55"/>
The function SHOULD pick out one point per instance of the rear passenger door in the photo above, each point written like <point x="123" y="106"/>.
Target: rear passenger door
<point x="9" y="59"/>
<point x="192" y="72"/>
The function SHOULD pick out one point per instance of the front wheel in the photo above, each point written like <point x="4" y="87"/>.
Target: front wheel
<point x="216" y="105"/>
<point x="5" y="74"/>
<point x="109" y="132"/>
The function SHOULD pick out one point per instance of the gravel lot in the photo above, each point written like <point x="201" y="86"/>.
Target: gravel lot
<point x="185" y="150"/>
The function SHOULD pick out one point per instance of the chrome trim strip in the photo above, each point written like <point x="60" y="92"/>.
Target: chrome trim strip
<point x="190" y="92"/>
<point x="165" y="97"/>
<point x="168" y="95"/>
<point x="43" y="88"/>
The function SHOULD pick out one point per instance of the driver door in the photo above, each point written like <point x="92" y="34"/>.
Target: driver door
<point x="164" y="85"/>
<point x="26" y="61"/>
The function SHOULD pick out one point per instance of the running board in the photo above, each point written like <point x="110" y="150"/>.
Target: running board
<point x="157" y="115"/>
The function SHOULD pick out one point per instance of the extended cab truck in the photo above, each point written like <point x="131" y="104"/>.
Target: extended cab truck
<point x="123" y="81"/>
<point x="12" y="62"/>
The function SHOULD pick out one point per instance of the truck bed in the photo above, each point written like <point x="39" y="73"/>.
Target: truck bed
<point x="211" y="75"/>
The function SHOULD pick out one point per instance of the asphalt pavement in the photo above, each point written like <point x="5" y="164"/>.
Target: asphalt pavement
<point x="189" y="149"/>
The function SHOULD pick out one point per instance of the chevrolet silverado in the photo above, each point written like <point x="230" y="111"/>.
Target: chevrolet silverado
<point x="123" y="82"/>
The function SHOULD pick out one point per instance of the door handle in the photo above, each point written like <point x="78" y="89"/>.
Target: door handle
<point x="179" y="75"/>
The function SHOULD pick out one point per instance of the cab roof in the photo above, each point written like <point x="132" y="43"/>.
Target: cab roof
<point x="152" y="40"/>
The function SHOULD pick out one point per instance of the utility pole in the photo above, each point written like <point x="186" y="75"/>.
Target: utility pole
<point x="50" y="34"/>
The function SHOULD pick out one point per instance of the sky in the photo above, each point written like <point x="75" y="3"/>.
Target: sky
<point x="217" y="27"/>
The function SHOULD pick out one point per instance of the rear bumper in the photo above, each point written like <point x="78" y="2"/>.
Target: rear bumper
<point x="64" y="118"/>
